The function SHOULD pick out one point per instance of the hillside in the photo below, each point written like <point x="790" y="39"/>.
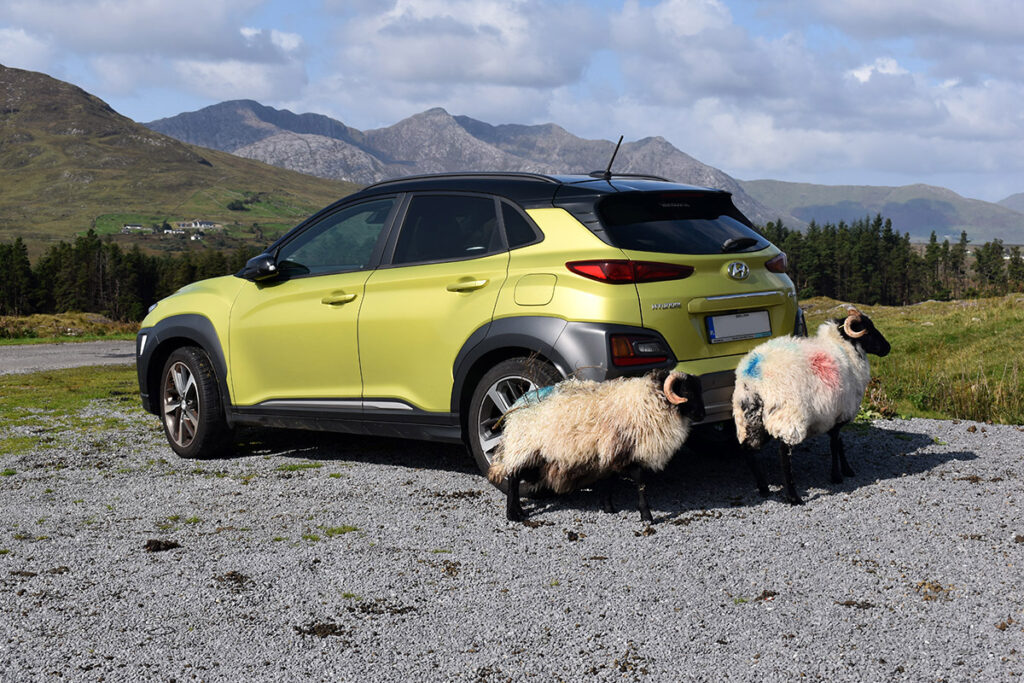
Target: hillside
<point x="69" y="162"/>
<point x="917" y="209"/>
<point x="430" y="142"/>
<point x="1014" y="202"/>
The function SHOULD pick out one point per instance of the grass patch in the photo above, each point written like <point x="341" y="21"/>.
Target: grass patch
<point x="949" y="360"/>
<point x="298" y="466"/>
<point x="332" y="531"/>
<point x="14" y="445"/>
<point x="8" y="472"/>
<point x="34" y="398"/>
<point x="47" y="328"/>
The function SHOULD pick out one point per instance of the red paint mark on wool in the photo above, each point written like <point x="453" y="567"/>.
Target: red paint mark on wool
<point x="826" y="369"/>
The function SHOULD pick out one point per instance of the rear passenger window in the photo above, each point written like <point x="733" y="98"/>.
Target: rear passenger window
<point x="517" y="229"/>
<point x="447" y="228"/>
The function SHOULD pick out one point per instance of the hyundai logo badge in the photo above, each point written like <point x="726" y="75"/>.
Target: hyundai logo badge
<point x="738" y="270"/>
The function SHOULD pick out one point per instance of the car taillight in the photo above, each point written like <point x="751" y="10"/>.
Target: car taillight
<point x="778" y="263"/>
<point x="630" y="350"/>
<point x="622" y="272"/>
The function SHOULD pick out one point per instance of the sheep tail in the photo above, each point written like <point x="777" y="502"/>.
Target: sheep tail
<point x="497" y="472"/>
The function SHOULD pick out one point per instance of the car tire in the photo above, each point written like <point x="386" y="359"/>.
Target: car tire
<point x="190" y="406"/>
<point x="494" y="394"/>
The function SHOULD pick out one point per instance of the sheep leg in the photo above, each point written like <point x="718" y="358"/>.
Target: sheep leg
<point x="840" y="467"/>
<point x="604" y="489"/>
<point x="638" y="475"/>
<point x="785" y="456"/>
<point x="752" y="463"/>
<point x="513" y="508"/>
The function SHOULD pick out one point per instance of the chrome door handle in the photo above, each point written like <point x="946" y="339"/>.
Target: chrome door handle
<point x="466" y="285"/>
<point x="337" y="299"/>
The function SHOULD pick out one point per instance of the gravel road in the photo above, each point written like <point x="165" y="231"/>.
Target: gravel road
<point x="322" y="557"/>
<point x="34" y="357"/>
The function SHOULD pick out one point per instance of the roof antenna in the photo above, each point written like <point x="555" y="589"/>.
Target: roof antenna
<point x="607" y="174"/>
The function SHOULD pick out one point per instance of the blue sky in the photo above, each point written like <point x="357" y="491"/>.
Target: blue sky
<point x="879" y="92"/>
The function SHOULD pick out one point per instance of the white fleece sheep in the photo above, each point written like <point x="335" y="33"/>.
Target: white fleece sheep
<point x="791" y="388"/>
<point x="584" y="431"/>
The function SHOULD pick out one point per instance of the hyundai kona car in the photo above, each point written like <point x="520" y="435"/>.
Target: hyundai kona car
<point x="423" y="307"/>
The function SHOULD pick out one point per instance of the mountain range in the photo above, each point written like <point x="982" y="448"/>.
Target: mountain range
<point x="69" y="162"/>
<point x="436" y="141"/>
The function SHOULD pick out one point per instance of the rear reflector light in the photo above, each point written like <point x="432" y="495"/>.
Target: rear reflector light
<point x="623" y="272"/>
<point x="778" y="263"/>
<point x="628" y="350"/>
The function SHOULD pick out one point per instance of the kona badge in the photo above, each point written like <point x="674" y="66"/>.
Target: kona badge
<point x="738" y="270"/>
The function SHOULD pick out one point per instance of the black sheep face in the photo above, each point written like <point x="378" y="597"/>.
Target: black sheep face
<point x="873" y="342"/>
<point x="689" y="387"/>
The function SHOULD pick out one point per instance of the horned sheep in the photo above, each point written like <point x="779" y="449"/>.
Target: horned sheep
<point x="584" y="432"/>
<point x="792" y="388"/>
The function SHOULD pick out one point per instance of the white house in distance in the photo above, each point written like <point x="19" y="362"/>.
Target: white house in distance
<point x="198" y="224"/>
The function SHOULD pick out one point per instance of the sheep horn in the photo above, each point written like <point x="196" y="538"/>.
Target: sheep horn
<point x="853" y="317"/>
<point x="673" y="398"/>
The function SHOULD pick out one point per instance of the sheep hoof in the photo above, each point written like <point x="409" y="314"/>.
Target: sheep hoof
<point x="609" y="508"/>
<point x="515" y="515"/>
<point x="794" y="499"/>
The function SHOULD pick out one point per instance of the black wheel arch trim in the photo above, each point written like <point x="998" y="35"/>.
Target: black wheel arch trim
<point x="192" y="329"/>
<point x="578" y="349"/>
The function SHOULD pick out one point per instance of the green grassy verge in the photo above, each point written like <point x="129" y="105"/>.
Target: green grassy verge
<point x="949" y="360"/>
<point x="62" y="327"/>
<point x="56" y="400"/>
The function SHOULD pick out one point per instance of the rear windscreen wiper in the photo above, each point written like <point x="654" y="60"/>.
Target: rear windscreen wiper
<point x="737" y="244"/>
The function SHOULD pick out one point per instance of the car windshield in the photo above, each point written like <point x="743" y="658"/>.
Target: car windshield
<point x="677" y="223"/>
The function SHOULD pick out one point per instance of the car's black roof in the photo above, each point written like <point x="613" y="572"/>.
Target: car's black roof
<point x="528" y="189"/>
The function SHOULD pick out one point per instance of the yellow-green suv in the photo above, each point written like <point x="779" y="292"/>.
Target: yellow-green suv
<point x="423" y="307"/>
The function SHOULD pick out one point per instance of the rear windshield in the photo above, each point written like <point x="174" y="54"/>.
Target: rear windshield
<point x="677" y="223"/>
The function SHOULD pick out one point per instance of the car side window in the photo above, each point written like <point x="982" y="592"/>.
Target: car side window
<point x="342" y="241"/>
<point x="448" y="228"/>
<point x="517" y="229"/>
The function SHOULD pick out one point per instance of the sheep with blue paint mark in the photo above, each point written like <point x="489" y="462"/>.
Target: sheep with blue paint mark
<point x="791" y="388"/>
<point x="581" y="432"/>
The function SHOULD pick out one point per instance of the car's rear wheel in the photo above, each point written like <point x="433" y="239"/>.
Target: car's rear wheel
<point x="190" y="405"/>
<point x="495" y="393"/>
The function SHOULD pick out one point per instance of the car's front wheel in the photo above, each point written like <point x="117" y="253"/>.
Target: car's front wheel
<point x="495" y="393"/>
<point x="190" y="405"/>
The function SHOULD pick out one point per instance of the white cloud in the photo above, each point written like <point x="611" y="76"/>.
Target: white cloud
<point x="494" y="42"/>
<point x="22" y="50"/>
<point x="883" y="65"/>
<point x="235" y="79"/>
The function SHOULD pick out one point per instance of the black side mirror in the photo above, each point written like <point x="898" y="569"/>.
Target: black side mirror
<point x="259" y="268"/>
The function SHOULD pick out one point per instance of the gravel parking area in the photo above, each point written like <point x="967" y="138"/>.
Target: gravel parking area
<point x="325" y="557"/>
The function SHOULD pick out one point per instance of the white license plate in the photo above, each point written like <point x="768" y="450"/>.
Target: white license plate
<point x="737" y="326"/>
